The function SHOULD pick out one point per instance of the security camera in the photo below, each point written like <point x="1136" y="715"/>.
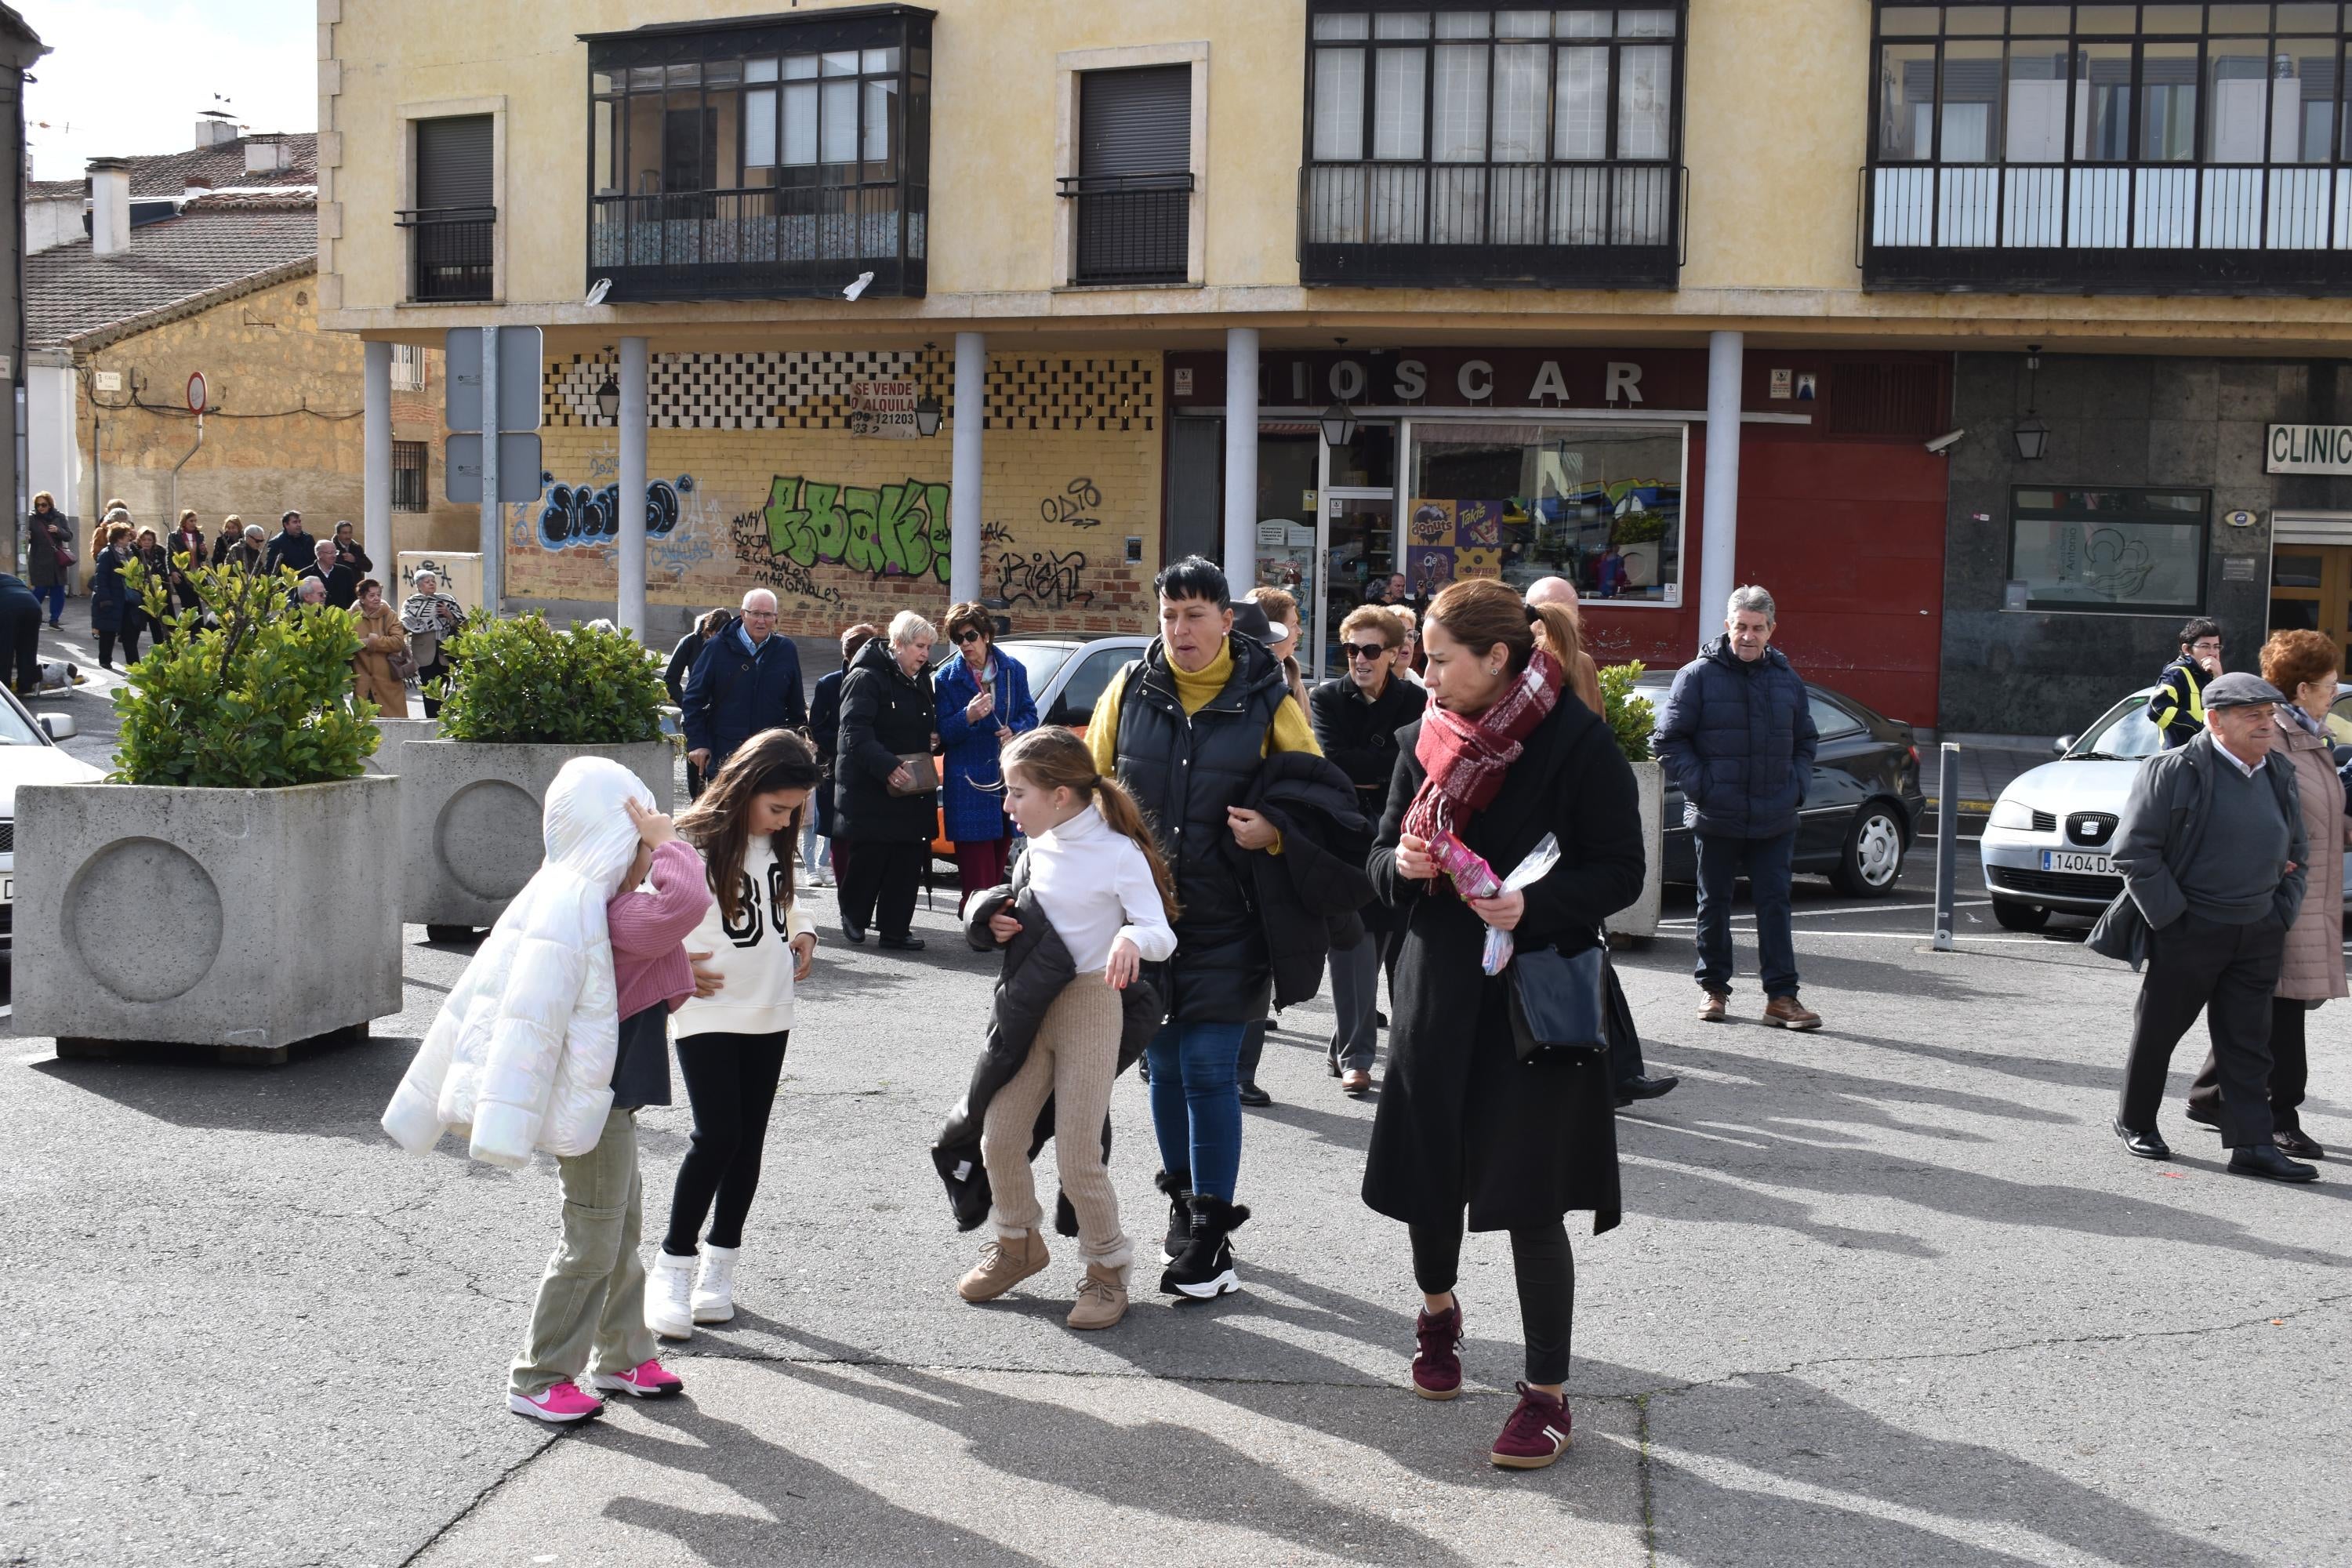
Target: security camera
<point x="858" y="286"/>
<point x="596" y="292"/>
<point x="1947" y="440"/>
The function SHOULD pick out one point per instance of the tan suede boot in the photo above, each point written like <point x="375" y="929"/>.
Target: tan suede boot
<point x="1102" y="1297"/>
<point x="1003" y="1263"/>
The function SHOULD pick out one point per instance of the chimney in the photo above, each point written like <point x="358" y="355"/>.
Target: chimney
<point x="264" y="155"/>
<point x="109" y="206"/>
<point x="213" y="128"/>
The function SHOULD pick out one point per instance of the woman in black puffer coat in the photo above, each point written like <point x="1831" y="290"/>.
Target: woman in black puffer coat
<point x="887" y="713"/>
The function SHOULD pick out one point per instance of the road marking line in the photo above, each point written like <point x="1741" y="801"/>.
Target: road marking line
<point x="1824" y="914"/>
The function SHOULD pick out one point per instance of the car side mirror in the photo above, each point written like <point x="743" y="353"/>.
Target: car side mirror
<point x="59" y="726"/>
<point x="2061" y="745"/>
<point x="2342" y="754"/>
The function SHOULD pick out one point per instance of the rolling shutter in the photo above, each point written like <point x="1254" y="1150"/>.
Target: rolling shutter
<point x="453" y="162"/>
<point x="1136" y="122"/>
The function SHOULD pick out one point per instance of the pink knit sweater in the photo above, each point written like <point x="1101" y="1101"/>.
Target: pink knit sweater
<point x="649" y="929"/>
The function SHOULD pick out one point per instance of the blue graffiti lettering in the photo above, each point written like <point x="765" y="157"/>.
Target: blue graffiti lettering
<point x="571" y="515"/>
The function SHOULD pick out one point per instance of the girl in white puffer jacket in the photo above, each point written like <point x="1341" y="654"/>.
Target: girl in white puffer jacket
<point x="522" y="1055"/>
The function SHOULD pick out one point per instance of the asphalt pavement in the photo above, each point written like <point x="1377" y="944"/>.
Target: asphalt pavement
<point x="1887" y="1293"/>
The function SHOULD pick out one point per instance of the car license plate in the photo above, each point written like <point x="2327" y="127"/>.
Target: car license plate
<point x="2077" y="860"/>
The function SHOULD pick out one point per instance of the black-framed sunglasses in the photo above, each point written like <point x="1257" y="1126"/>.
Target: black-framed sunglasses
<point x="1365" y="650"/>
<point x="967" y="635"/>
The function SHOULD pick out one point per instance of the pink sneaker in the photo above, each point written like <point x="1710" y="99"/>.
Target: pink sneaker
<point x="647" y="1380"/>
<point x="559" y="1405"/>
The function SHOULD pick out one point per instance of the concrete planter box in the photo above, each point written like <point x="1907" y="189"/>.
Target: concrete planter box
<point x="397" y="733"/>
<point x="469" y="820"/>
<point x="1640" y="917"/>
<point x="242" y="920"/>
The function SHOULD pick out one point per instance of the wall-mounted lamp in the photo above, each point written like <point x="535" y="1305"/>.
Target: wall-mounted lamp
<point x="928" y="415"/>
<point x="2032" y="436"/>
<point x="1338" y="424"/>
<point x="608" y="400"/>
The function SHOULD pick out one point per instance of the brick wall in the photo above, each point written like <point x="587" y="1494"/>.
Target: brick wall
<point x="758" y="479"/>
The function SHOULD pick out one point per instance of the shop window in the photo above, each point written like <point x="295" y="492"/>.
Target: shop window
<point x="1466" y="144"/>
<point x="2112" y="551"/>
<point x="1602" y="508"/>
<point x="409" y="491"/>
<point x="2060" y="135"/>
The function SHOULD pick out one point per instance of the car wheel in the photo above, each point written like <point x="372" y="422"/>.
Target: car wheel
<point x="2014" y="916"/>
<point x="1872" y="862"/>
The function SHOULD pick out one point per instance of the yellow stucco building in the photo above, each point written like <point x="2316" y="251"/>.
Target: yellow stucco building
<point x="1663" y="298"/>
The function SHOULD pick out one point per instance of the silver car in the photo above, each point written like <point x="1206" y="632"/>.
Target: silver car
<point x="2046" y="846"/>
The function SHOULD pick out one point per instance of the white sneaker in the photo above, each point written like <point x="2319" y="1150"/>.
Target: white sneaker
<point x="714" y="1285"/>
<point x="669" y="1284"/>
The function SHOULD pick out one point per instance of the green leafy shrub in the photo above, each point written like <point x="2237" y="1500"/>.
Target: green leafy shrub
<point x="516" y="681"/>
<point x="1631" y="717"/>
<point x="254" y="695"/>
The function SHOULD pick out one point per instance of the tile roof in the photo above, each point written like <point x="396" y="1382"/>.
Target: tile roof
<point x="173" y="269"/>
<point x="220" y="165"/>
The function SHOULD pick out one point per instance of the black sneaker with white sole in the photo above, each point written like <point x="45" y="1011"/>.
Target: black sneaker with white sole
<point x="1205" y="1269"/>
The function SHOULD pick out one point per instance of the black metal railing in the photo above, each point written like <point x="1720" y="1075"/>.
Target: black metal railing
<point x="760" y="241"/>
<point x="449" y="252"/>
<point x="1612" y="225"/>
<point x="2106" y="227"/>
<point x="1132" y="228"/>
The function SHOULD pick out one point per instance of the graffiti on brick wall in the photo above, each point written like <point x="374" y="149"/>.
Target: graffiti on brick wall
<point x="748" y="532"/>
<point x="884" y="530"/>
<point x="1079" y="505"/>
<point x="1048" y="579"/>
<point x="571" y="515"/>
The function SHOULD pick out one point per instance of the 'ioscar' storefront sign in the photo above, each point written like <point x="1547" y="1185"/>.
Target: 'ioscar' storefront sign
<point x="2309" y="449"/>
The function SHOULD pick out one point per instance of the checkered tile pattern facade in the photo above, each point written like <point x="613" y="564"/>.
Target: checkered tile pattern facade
<point x="798" y="391"/>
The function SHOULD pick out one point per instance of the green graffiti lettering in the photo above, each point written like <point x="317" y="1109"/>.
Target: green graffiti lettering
<point x="788" y="534"/>
<point x="900" y="529"/>
<point x="906" y="523"/>
<point x="826" y="516"/>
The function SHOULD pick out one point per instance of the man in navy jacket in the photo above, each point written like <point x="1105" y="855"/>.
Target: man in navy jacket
<point x="1738" y="740"/>
<point x="745" y="680"/>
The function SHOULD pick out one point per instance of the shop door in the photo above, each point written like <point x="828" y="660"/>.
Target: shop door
<point x="1359" y="545"/>
<point x="2311" y="590"/>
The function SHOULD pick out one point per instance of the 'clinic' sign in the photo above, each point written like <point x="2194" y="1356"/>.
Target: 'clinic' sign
<point x="2309" y="449"/>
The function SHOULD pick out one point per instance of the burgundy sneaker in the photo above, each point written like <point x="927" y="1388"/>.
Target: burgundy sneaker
<point x="1535" y="1435"/>
<point x="1437" y="1363"/>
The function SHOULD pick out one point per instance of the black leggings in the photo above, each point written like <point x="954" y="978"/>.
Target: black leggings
<point x="134" y="625"/>
<point x="1546" y="1279"/>
<point x="879" y="884"/>
<point x="731" y="1081"/>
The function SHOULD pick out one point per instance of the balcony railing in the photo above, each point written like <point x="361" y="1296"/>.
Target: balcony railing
<point x="2173" y="228"/>
<point x="449" y="252"/>
<point x="1553" y="225"/>
<point x="762" y="241"/>
<point x="1132" y="228"/>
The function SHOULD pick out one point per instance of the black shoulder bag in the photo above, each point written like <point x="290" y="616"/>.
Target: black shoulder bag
<point x="1556" y="1002"/>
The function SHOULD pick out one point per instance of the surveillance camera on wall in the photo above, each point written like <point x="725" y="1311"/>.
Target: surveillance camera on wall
<point x="596" y="293"/>
<point x="1947" y="440"/>
<point x="858" y="286"/>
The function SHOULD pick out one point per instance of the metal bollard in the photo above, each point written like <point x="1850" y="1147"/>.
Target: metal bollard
<point x="1948" y="842"/>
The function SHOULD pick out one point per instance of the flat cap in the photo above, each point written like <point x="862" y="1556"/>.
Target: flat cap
<point x="2240" y="689"/>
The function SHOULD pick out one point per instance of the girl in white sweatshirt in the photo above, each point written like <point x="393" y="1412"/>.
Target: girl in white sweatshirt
<point x="1094" y="870"/>
<point x="730" y="1045"/>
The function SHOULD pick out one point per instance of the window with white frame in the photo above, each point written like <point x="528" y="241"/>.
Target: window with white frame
<point x="408" y="367"/>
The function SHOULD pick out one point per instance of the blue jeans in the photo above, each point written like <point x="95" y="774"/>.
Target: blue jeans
<point x="55" y="594"/>
<point x="1196" y="1107"/>
<point x="1766" y="860"/>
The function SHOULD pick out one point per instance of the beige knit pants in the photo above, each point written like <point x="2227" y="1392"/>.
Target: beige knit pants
<point x="1074" y="1060"/>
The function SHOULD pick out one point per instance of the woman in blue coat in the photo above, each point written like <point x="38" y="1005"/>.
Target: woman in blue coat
<point x="983" y="701"/>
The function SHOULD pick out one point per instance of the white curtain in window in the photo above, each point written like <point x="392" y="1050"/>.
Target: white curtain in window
<point x="1400" y="83"/>
<point x="878" y="120"/>
<point x="840" y="131"/>
<point x="1339" y="105"/>
<point x="1645" y="89"/>
<point x="1581" y="116"/>
<point x="799" y="123"/>
<point x="760" y="129"/>
<point x="1519" y="102"/>
<point x="1459" y="108"/>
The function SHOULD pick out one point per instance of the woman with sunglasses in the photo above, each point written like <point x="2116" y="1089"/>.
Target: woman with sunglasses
<point x="983" y="701"/>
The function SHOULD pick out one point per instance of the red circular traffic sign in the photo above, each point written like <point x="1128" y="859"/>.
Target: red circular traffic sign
<point x="196" y="392"/>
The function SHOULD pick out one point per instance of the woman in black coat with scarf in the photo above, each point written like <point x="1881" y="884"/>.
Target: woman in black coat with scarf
<point x="1504" y="756"/>
<point x="887" y="713"/>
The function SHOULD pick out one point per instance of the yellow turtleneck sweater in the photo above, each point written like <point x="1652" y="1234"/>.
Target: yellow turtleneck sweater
<point x="1289" y="732"/>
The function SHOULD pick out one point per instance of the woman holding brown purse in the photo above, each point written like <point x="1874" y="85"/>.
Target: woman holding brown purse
<point x="886" y="787"/>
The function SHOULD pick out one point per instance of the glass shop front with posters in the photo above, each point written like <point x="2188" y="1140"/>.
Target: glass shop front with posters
<point x="1385" y="474"/>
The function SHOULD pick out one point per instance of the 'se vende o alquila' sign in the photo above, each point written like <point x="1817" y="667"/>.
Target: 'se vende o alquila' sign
<point x="2309" y="449"/>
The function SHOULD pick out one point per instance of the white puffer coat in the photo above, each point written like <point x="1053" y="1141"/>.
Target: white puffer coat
<point x="522" y="1050"/>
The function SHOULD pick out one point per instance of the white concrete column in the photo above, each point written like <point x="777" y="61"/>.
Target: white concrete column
<point x="1241" y="458"/>
<point x="1719" y="517"/>
<point x="493" y="533"/>
<point x="963" y="479"/>
<point x="375" y="468"/>
<point x="631" y="611"/>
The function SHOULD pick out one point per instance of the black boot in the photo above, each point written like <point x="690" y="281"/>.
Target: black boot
<point x="1204" y="1270"/>
<point x="1178" y="1185"/>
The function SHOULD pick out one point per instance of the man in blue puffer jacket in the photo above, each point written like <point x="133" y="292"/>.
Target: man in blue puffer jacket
<point x="1738" y="741"/>
<point x="747" y="679"/>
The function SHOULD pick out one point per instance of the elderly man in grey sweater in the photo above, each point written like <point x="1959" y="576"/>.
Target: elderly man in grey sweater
<point x="2212" y="850"/>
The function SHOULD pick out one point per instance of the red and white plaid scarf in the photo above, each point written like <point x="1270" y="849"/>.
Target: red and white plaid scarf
<point x="1465" y="759"/>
